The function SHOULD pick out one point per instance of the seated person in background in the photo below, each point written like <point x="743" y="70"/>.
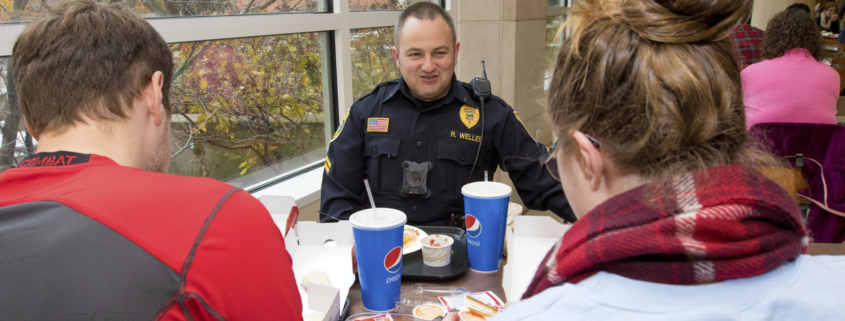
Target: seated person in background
<point x="90" y="227"/>
<point x="651" y="150"/>
<point x="828" y="20"/>
<point x="746" y="39"/>
<point x="791" y="85"/>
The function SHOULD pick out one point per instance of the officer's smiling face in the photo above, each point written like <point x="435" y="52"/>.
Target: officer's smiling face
<point x="426" y="57"/>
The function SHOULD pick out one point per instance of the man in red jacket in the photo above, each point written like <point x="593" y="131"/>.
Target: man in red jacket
<point x="89" y="226"/>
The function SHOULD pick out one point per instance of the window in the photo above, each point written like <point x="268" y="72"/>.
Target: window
<point x="553" y="37"/>
<point x="259" y="103"/>
<point x="249" y="109"/>
<point x="15" y="142"/>
<point x="557" y="11"/>
<point x="16" y="10"/>
<point x="558" y="3"/>
<point x="374" y="5"/>
<point x="372" y="59"/>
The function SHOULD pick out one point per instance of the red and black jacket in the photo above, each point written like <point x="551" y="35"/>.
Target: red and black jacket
<point x="82" y="237"/>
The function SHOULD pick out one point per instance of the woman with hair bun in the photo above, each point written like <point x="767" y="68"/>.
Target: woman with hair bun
<point x="647" y="113"/>
<point x="791" y="84"/>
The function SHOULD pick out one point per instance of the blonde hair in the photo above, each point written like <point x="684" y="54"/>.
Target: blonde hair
<point x="656" y="82"/>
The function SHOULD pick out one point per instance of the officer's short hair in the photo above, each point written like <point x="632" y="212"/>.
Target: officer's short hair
<point x="422" y="10"/>
<point x="83" y="58"/>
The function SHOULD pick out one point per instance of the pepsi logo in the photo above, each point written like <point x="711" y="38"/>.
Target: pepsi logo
<point x="393" y="260"/>
<point x="473" y="226"/>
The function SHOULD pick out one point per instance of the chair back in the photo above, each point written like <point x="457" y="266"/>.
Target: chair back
<point x="818" y="150"/>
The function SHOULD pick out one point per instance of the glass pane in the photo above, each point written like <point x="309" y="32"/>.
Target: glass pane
<point x="248" y="110"/>
<point x="17" y="10"/>
<point x="15" y="142"/>
<point x="558" y="3"/>
<point x="372" y="59"/>
<point x="554" y="37"/>
<point x="374" y="5"/>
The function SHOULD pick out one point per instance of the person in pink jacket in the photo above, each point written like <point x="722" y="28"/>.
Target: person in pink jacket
<point x="791" y="85"/>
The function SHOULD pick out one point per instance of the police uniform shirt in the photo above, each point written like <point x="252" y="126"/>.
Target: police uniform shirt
<point x="389" y="126"/>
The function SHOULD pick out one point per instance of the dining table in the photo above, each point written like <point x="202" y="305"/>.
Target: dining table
<point x="480" y="281"/>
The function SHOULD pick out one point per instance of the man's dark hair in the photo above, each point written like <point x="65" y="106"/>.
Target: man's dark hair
<point x="422" y="10"/>
<point x="800" y="6"/>
<point x="83" y="58"/>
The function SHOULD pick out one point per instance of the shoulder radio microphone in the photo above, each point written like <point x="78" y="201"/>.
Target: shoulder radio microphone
<point x="481" y="90"/>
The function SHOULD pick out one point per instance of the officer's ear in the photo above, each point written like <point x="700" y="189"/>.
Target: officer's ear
<point x="457" y="49"/>
<point x="396" y="56"/>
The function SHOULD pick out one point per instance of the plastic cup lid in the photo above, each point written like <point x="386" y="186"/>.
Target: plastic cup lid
<point x="486" y="190"/>
<point x="378" y="219"/>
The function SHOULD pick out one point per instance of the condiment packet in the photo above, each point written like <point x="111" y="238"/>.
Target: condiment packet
<point x="458" y="302"/>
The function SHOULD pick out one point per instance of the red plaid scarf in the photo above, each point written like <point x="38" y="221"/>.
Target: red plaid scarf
<point x="722" y="223"/>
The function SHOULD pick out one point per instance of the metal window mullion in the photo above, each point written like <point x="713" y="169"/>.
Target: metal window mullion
<point x="343" y="54"/>
<point x="185" y="29"/>
<point x="557" y="11"/>
<point x="225" y="27"/>
<point x="373" y="19"/>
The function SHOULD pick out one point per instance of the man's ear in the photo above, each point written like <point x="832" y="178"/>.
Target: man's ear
<point x="152" y="96"/>
<point x="591" y="161"/>
<point x="29" y="129"/>
<point x="457" y="49"/>
<point x="396" y="56"/>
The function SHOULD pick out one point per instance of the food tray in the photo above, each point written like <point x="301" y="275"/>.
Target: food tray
<point x="413" y="267"/>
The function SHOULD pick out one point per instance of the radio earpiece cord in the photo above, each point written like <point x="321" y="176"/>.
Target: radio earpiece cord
<point x="481" y="89"/>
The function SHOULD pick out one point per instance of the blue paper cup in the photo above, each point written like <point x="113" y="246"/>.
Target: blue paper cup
<point x="378" y="249"/>
<point x="486" y="208"/>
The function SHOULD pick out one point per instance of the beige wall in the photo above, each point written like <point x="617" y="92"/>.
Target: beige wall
<point x="766" y="9"/>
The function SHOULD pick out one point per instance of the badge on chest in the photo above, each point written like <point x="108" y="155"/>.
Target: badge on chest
<point x="469" y="116"/>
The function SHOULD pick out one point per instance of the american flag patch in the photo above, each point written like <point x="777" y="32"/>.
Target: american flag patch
<point x="377" y="125"/>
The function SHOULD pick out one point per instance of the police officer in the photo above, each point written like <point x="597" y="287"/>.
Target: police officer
<point x="415" y="138"/>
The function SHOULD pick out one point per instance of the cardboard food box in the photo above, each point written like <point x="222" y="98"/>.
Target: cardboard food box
<point x="282" y="209"/>
<point x="325" y="247"/>
<point x="528" y="242"/>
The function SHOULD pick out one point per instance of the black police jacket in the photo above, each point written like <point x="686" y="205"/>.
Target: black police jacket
<point x="388" y="127"/>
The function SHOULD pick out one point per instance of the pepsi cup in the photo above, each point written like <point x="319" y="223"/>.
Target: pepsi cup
<point x="486" y="208"/>
<point x="378" y="249"/>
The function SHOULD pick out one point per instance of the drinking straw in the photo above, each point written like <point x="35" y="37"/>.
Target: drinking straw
<point x="370" y="194"/>
<point x="485" y="176"/>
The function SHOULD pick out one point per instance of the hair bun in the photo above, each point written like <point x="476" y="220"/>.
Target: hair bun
<point x="678" y="21"/>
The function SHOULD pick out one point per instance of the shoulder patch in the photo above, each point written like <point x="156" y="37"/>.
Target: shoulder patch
<point x="340" y="127"/>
